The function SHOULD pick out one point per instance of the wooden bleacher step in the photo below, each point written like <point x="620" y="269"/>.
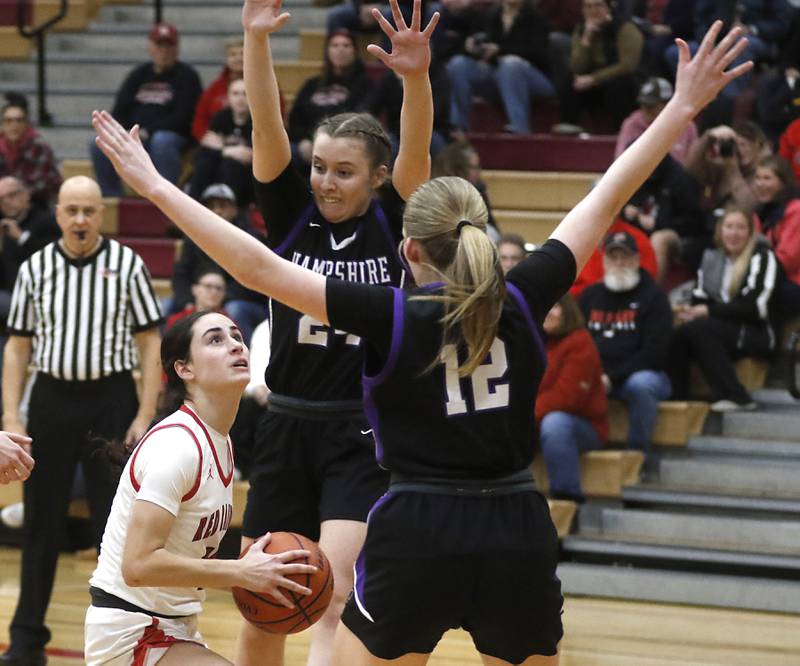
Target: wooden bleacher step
<point x="563" y="513"/>
<point x="533" y="226"/>
<point x="537" y="191"/>
<point x="603" y="473"/>
<point x="676" y="421"/>
<point x="752" y="373"/>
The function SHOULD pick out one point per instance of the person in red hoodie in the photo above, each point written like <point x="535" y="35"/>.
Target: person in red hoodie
<point x="572" y="408"/>
<point x="789" y="146"/>
<point x="215" y="97"/>
<point x="24" y="154"/>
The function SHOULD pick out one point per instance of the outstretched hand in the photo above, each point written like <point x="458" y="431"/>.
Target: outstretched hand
<point x="411" y="53"/>
<point x="699" y="79"/>
<point x="126" y="152"/>
<point x="263" y="17"/>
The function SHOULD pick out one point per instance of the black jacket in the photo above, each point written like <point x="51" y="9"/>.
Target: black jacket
<point x="631" y="329"/>
<point x="39" y="228"/>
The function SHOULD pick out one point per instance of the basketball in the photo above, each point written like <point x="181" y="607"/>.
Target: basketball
<point x="266" y="613"/>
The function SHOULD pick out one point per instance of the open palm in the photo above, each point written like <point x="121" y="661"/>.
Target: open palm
<point x="263" y="16"/>
<point x="411" y="53"/>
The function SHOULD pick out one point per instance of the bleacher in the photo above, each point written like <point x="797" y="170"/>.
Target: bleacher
<point x="726" y="499"/>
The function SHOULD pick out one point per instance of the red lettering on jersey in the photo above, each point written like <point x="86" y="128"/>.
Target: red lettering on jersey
<point x="199" y="533"/>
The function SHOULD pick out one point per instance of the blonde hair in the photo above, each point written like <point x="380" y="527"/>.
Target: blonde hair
<point x="742" y="263"/>
<point x="465" y="258"/>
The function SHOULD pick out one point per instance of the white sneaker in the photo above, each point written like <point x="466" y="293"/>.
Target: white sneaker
<point x="722" y="406"/>
<point x="13" y="515"/>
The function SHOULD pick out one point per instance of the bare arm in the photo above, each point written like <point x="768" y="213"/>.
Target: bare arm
<point x="410" y="59"/>
<point x="147" y="563"/>
<point x="698" y="82"/>
<point x="248" y="260"/>
<point x="16" y="358"/>
<point x="271" y="149"/>
<point x="149" y="345"/>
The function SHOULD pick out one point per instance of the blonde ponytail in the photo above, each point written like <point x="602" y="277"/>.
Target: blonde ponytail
<point x="447" y="216"/>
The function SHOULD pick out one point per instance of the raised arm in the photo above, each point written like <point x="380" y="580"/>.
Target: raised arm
<point x="410" y="59"/>
<point x="699" y="79"/>
<point x="271" y="149"/>
<point x="248" y="260"/>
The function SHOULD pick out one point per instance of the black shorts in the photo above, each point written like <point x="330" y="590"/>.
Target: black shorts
<point x="434" y="562"/>
<point x="305" y="472"/>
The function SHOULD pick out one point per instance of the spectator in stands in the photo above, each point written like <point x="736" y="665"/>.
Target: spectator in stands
<point x="208" y="293"/>
<point x="356" y="15"/>
<point x="594" y="270"/>
<point x="661" y="22"/>
<point x="386" y="100"/>
<point x="751" y="146"/>
<point x="789" y="147"/>
<point x="225" y="154"/>
<point x="462" y="160"/>
<point x="344" y="85"/>
<point x="713" y="162"/>
<point x="215" y="97"/>
<point x="511" y="248"/>
<point x="605" y="56"/>
<point x="25" y="227"/>
<point x="779" y="212"/>
<point x="653" y="97"/>
<point x="630" y="320"/>
<point x="562" y="16"/>
<point x="159" y="96"/>
<point x="457" y="17"/>
<point x="247" y="308"/>
<point x="505" y="57"/>
<point x="778" y="99"/>
<point x="728" y="318"/>
<point x="764" y="23"/>
<point x="25" y="154"/>
<point x="571" y="408"/>
<point x="667" y="208"/>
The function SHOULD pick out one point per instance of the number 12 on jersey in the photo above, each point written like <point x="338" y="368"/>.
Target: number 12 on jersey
<point x="489" y="389"/>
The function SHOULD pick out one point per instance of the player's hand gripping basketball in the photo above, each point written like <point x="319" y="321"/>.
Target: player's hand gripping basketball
<point x="265" y="573"/>
<point x="411" y="53"/>
<point x="700" y="79"/>
<point x="263" y="17"/>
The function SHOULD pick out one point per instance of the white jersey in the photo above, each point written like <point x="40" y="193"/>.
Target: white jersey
<point x="185" y="467"/>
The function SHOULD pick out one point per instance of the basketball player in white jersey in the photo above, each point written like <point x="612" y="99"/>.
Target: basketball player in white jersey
<point x="172" y="508"/>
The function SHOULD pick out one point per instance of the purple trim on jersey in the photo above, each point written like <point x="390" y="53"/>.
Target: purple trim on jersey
<point x="526" y="312"/>
<point x="361" y="561"/>
<point x="302" y="223"/>
<point x="369" y="383"/>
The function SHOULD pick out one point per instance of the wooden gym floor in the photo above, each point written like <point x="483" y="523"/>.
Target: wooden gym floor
<point x="598" y="632"/>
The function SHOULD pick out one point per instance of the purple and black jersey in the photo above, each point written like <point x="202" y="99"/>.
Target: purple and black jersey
<point x="436" y="424"/>
<point x="311" y="361"/>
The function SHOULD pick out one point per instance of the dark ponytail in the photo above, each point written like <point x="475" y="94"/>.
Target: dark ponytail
<point x="175" y="346"/>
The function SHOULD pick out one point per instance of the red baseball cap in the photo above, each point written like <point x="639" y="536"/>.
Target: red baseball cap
<point x="164" y="32"/>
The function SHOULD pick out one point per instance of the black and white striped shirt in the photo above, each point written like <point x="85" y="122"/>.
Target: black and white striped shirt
<point x="82" y="313"/>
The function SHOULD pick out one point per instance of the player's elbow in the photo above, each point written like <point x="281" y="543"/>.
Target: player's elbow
<point x="134" y="572"/>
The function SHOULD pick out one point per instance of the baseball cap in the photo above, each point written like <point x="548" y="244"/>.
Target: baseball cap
<point x="621" y="239"/>
<point x="218" y="191"/>
<point x="164" y="32"/>
<point x="654" y="91"/>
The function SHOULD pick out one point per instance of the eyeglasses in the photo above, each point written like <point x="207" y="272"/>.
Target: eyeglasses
<point x="212" y="287"/>
<point x="13" y="119"/>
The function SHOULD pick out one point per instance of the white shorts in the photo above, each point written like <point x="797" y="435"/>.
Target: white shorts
<point x="121" y="638"/>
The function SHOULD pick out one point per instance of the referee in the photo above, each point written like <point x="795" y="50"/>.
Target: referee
<point x="78" y="306"/>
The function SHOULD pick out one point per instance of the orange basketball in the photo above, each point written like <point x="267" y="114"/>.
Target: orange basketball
<point x="266" y="613"/>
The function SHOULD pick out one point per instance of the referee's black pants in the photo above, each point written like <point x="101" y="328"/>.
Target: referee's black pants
<point x="69" y="422"/>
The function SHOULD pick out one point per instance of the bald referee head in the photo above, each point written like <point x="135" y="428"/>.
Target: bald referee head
<point x="79" y="213"/>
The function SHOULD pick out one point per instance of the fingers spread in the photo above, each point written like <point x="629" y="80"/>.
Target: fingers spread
<point x="431" y="25"/>
<point x="291" y="555"/>
<point x="387" y="27"/>
<point x="379" y="53"/>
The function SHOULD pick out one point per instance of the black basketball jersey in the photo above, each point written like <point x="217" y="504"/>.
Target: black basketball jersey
<point x="436" y="423"/>
<point x="309" y="360"/>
